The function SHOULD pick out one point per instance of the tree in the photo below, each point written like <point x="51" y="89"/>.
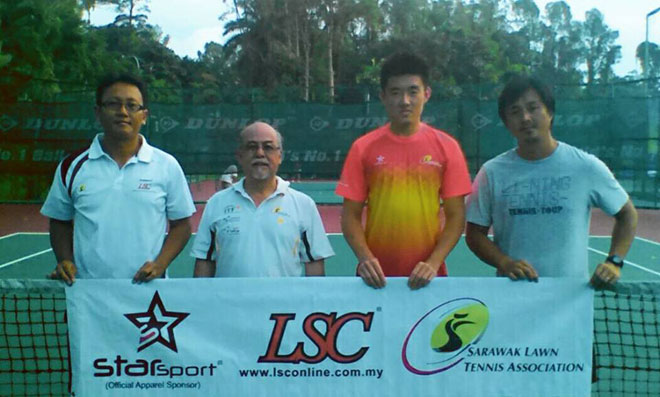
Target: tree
<point x="41" y="40"/>
<point x="563" y="48"/>
<point x="653" y="62"/>
<point x="129" y="8"/>
<point x="601" y="52"/>
<point x="89" y="5"/>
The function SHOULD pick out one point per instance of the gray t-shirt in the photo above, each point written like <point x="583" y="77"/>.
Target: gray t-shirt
<point x="540" y="210"/>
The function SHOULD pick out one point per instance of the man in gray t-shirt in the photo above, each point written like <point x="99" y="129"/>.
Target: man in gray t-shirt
<point x="538" y="198"/>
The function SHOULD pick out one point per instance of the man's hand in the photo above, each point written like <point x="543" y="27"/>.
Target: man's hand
<point x="149" y="271"/>
<point x="518" y="269"/>
<point x="605" y="274"/>
<point x="371" y="272"/>
<point x="65" y="271"/>
<point x="422" y="275"/>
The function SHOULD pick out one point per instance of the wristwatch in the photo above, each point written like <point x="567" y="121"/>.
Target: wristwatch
<point x="616" y="260"/>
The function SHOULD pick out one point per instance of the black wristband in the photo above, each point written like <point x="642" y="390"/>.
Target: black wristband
<point x="615" y="260"/>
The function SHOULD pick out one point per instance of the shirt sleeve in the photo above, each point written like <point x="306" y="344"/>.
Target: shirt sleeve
<point x="606" y="192"/>
<point x="204" y="244"/>
<point x="352" y="184"/>
<point x="179" y="200"/>
<point x="58" y="204"/>
<point x="456" y="181"/>
<point x="479" y="202"/>
<point x="314" y="243"/>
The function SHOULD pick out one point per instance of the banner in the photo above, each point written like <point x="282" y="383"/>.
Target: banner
<point x="459" y="337"/>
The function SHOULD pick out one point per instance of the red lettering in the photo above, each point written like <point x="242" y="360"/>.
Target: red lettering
<point x="326" y="343"/>
<point x="333" y="333"/>
<point x="271" y="355"/>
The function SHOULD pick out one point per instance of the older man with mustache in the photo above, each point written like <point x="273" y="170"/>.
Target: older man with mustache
<point x="260" y="227"/>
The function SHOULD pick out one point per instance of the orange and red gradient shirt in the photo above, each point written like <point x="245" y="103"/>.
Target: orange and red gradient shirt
<point x="403" y="180"/>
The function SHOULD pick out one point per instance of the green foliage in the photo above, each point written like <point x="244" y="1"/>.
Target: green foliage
<point x="4" y="58"/>
<point x="41" y="37"/>
<point x="279" y="50"/>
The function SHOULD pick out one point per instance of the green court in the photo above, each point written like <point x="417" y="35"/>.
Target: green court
<point x="28" y="255"/>
<point x="626" y="337"/>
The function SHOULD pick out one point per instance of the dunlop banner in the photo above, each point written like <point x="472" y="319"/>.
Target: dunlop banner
<point x="331" y="337"/>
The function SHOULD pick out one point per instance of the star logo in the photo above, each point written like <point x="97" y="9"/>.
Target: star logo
<point x="380" y="160"/>
<point x="156" y="324"/>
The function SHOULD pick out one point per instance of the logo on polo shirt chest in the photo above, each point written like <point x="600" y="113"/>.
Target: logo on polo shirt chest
<point x="428" y="160"/>
<point x="280" y="215"/>
<point x="145" y="184"/>
<point x="230" y="209"/>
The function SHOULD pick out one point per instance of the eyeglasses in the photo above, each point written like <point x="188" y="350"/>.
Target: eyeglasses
<point x="114" y="106"/>
<point x="267" y="147"/>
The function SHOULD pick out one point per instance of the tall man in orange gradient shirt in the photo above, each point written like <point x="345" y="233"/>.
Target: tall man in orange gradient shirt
<point x="405" y="172"/>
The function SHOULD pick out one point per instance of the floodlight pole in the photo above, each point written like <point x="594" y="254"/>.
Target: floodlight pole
<point x="652" y="147"/>
<point x="646" y="50"/>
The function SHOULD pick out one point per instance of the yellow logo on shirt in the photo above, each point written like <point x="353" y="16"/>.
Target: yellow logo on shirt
<point x="280" y="220"/>
<point x="82" y="188"/>
<point x="428" y="160"/>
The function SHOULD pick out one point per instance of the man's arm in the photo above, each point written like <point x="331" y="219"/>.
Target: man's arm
<point x="177" y="238"/>
<point x="204" y="268"/>
<point x="623" y="233"/>
<point x="424" y="272"/>
<point x="61" y="239"/>
<point x="476" y="237"/>
<point x="315" y="268"/>
<point x="351" y="226"/>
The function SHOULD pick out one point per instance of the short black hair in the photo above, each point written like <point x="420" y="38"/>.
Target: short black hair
<point x="517" y="86"/>
<point x="111" y="79"/>
<point x="403" y="63"/>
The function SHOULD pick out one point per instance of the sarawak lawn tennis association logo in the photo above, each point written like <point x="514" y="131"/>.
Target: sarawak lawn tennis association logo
<point x="440" y="339"/>
<point x="156" y="325"/>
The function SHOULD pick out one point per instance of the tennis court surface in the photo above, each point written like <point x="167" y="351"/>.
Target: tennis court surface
<point x="33" y="331"/>
<point x="34" y="342"/>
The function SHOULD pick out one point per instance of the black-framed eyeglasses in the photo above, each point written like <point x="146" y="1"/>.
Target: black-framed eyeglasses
<point x="267" y="147"/>
<point x="115" y="106"/>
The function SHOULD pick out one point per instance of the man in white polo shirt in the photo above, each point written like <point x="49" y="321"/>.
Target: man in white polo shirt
<point x="110" y="204"/>
<point x="259" y="227"/>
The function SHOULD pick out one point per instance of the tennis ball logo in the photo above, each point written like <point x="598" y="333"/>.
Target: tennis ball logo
<point x="460" y="328"/>
<point x="439" y="340"/>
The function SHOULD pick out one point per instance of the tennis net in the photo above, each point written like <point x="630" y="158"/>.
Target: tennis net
<point x="34" y="353"/>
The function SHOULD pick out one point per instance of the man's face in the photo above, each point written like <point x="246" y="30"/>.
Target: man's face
<point x="121" y="113"/>
<point x="404" y="98"/>
<point x="528" y="119"/>
<point x="260" y="154"/>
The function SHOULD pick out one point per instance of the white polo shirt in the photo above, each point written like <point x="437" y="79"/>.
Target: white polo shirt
<point x="119" y="215"/>
<point x="272" y="240"/>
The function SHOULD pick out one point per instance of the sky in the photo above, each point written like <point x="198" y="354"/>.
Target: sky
<point x="192" y="23"/>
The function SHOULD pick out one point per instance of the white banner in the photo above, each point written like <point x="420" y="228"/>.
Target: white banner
<point x="331" y="337"/>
